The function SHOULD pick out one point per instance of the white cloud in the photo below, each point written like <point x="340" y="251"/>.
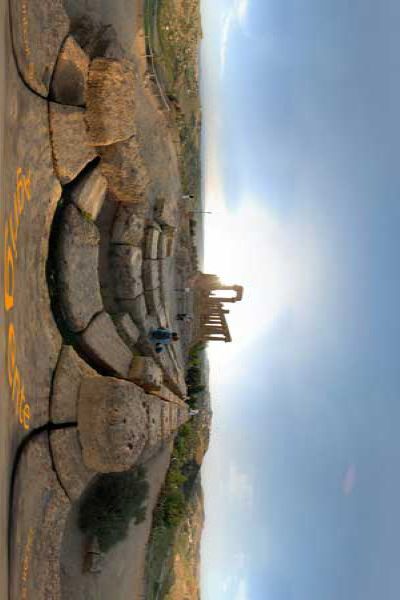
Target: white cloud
<point x="235" y="16"/>
<point x="240" y="488"/>
<point x="242" y="591"/>
<point x="280" y="265"/>
<point x="226" y="584"/>
<point x="242" y="8"/>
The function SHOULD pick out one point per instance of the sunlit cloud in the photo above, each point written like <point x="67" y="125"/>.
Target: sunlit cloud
<point x="226" y="584"/>
<point x="279" y="264"/>
<point x="235" y="587"/>
<point x="242" y="591"/>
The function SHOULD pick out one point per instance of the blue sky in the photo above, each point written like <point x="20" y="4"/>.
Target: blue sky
<point x="301" y="150"/>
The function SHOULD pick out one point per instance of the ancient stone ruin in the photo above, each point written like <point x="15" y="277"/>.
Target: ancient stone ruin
<point x="114" y="402"/>
<point x="210" y="313"/>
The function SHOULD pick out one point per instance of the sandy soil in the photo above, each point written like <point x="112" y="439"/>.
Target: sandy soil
<point x="122" y="576"/>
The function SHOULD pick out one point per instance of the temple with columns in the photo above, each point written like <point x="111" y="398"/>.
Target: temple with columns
<point x="211" y="296"/>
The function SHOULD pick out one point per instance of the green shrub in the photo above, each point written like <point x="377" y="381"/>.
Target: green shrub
<point x="111" y="503"/>
<point x="174" y="507"/>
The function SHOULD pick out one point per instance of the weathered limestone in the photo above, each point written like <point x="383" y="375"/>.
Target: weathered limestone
<point x="154" y="411"/>
<point x="174" y="417"/>
<point x="153" y="301"/>
<point x="183" y="415"/>
<point x="155" y="434"/>
<point x="146" y="373"/>
<point x="164" y="271"/>
<point x="170" y="243"/>
<point x="67" y="380"/>
<point x="71" y="150"/>
<point x="128" y="227"/>
<point x="126" y="264"/>
<point x="68" y="461"/>
<point x="98" y="40"/>
<point x="162" y="246"/>
<point x="94" y="558"/>
<point x="173" y="378"/>
<point x="39" y="28"/>
<point x="113" y="424"/>
<point x="77" y="265"/>
<point x="39" y="512"/>
<point x="70" y="76"/>
<point x="164" y="393"/>
<point x="89" y="193"/>
<point x="103" y="346"/>
<point x="126" y="329"/>
<point x="165" y="420"/>
<point x="151" y="242"/>
<point x="151" y="278"/>
<point x="29" y="198"/>
<point x="162" y="318"/>
<point x="165" y="212"/>
<point x="136" y="307"/>
<point x="125" y="171"/>
<point x="110" y="101"/>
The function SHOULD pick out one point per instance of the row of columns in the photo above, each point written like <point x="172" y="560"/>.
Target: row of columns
<point x="213" y="325"/>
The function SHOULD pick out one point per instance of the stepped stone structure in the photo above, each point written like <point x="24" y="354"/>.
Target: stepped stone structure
<point x="39" y="28"/>
<point x="69" y="82"/>
<point x="110" y="401"/>
<point x="110" y="101"/>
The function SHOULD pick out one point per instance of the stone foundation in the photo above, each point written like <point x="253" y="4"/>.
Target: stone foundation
<point x="103" y="347"/>
<point x="89" y="194"/>
<point x="127" y="330"/>
<point x="110" y="113"/>
<point x="67" y="456"/>
<point x="126" y="265"/>
<point x="77" y="270"/>
<point x="39" y="28"/>
<point x="146" y="373"/>
<point x="67" y="380"/>
<point x="70" y="142"/>
<point x="112" y="422"/>
<point x="69" y="82"/>
<point x="39" y="512"/>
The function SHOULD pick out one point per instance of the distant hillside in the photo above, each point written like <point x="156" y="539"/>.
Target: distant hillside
<point x="173" y="557"/>
<point x="186" y="557"/>
<point x="176" y="34"/>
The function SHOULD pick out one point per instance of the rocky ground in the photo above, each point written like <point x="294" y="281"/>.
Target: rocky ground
<point x="122" y="575"/>
<point x="97" y="243"/>
<point x="91" y="224"/>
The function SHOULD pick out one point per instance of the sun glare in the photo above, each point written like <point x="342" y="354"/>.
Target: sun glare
<point x="277" y="263"/>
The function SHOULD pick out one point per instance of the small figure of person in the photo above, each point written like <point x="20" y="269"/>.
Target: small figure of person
<point x="184" y="317"/>
<point x="161" y="337"/>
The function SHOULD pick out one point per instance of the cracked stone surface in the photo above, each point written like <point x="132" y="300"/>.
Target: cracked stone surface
<point x="39" y="28"/>
<point x="77" y="260"/>
<point x="70" y="142"/>
<point x="112" y="422"/>
<point x="69" y="82"/>
<point x="104" y="348"/>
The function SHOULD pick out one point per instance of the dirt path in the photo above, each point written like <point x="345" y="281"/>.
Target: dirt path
<point x="122" y="576"/>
